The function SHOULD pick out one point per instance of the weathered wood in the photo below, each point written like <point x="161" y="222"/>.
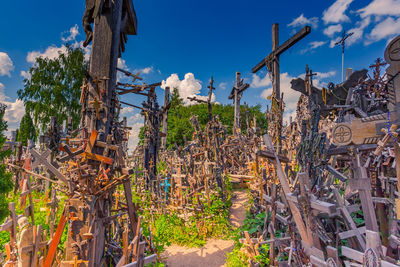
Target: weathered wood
<point x="286" y="189"/>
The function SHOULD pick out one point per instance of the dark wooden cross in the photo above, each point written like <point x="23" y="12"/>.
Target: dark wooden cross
<point x="164" y="114"/>
<point x="208" y="102"/>
<point x="272" y="60"/>
<point x="236" y="95"/>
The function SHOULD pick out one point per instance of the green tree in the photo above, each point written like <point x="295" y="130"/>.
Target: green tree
<point x="6" y="183"/>
<point x="26" y="130"/>
<point x="54" y="88"/>
<point x="180" y="128"/>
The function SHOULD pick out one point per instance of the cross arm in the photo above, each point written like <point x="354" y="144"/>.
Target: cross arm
<point x="241" y="89"/>
<point x="285" y="46"/>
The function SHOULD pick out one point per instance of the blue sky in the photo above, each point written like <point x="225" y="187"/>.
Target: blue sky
<point x="185" y="42"/>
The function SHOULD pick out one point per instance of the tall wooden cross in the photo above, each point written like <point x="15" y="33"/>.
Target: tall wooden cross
<point x="272" y="60"/>
<point x="236" y="95"/>
<point x="164" y="110"/>
<point x="208" y="102"/>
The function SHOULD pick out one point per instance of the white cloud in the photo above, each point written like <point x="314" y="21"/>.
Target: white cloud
<point x="222" y="85"/>
<point x="72" y="33"/>
<point x="14" y="111"/>
<point x="358" y="31"/>
<point x="334" y="41"/>
<point x="313" y="45"/>
<point x="332" y="29"/>
<point x="336" y="12"/>
<point x="258" y="82"/>
<point x="188" y="87"/>
<point x="122" y="64"/>
<point x="126" y="110"/>
<point x="385" y="29"/>
<point x="302" y="21"/>
<point x="134" y="135"/>
<point x="25" y="74"/>
<point x="146" y="70"/>
<point x="380" y="8"/>
<point x="290" y="96"/>
<point x="6" y="65"/>
<point x="134" y="118"/>
<point x="324" y="75"/>
<point x="51" y="52"/>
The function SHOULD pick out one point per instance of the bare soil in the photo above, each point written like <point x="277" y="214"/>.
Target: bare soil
<point x="213" y="253"/>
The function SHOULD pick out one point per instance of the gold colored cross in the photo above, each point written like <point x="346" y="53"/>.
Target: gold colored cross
<point x="97" y="105"/>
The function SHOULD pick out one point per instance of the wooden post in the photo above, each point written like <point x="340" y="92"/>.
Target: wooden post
<point x="275" y="69"/>
<point x="165" y="119"/>
<point x="236" y="95"/>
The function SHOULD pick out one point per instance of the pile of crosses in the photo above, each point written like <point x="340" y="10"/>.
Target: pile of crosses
<point x="335" y="200"/>
<point x="85" y="165"/>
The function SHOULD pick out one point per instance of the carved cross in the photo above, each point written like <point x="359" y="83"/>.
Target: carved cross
<point x="236" y="95"/>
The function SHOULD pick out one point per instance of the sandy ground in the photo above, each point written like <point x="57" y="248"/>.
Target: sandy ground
<point x="213" y="253"/>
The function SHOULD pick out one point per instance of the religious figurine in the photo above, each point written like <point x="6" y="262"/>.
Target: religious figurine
<point x="24" y="239"/>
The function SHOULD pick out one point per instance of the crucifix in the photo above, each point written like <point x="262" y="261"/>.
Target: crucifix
<point x="236" y="95"/>
<point x="272" y="63"/>
<point x="342" y="42"/>
<point x="272" y="60"/>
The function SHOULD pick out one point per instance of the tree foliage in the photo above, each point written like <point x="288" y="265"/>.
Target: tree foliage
<point x="54" y="88"/>
<point x="180" y="128"/>
<point x="26" y="130"/>
<point x="6" y="183"/>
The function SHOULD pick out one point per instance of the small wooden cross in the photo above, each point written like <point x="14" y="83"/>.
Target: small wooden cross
<point x="75" y="262"/>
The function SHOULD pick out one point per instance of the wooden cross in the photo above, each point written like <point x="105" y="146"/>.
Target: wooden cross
<point x="42" y="159"/>
<point x="53" y="204"/>
<point x="75" y="262"/>
<point x="362" y="183"/>
<point x="236" y="95"/>
<point x="208" y="102"/>
<point x="165" y="109"/>
<point x="10" y="225"/>
<point x="378" y="64"/>
<point x="373" y="254"/>
<point x="272" y="60"/>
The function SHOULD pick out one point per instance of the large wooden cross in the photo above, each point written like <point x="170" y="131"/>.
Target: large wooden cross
<point x="236" y="95"/>
<point x="272" y="60"/>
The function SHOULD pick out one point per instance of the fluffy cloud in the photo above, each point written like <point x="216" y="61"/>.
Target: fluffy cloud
<point x="6" y="65"/>
<point x="25" y="74"/>
<point x="72" y="33"/>
<point x="336" y="12"/>
<point x="358" y="31"/>
<point x="257" y="81"/>
<point x="302" y="21"/>
<point x="126" y="110"/>
<point x="146" y="70"/>
<point x="222" y="85"/>
<point x="387" y="28"/>
<point x="14" y="111"/>
<point x="134" y="135"/>
<point x="188" y="87"/>
<point x="51" y="52"/>
<point x="331" y="30"/>
<point x="380" y="8"/>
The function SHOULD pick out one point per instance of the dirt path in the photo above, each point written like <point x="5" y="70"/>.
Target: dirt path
<point x="213" y="253"/>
